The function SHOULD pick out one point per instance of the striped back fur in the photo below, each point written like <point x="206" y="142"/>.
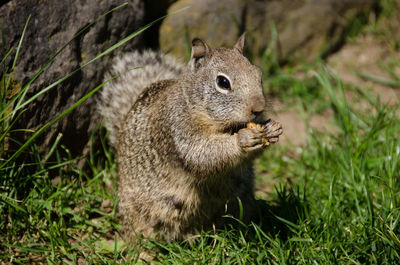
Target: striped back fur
<point x="136" y="70"/>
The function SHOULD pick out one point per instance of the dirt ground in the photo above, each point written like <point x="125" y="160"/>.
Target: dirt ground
<point x="366" y="54"/>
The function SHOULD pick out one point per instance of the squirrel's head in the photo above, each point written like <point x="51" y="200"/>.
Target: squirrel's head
<point x="225" y="84"/>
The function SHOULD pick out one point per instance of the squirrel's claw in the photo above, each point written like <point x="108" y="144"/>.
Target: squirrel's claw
<point x="272" y="130"/>
<point x="257" y="136"/>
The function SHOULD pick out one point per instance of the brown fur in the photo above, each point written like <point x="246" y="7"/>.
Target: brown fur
<point x="184" y="154"/>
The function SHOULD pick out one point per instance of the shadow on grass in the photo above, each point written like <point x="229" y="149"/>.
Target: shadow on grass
<point x="282" y="215"/>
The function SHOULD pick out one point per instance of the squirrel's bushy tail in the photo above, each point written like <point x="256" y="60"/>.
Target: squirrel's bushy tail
<point x="137" y="71"/>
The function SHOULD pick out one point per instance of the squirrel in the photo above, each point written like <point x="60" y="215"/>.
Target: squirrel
<point x="185" y="138"/>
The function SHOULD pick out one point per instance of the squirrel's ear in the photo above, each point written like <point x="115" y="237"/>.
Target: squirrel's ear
<point x="240" y="43"/>
<point x="199" y="48"/>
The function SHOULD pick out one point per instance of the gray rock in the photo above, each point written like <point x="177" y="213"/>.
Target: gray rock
<point x="218" y="22"/>
<point x="305" y="27"/>
<point x="52" y="24"/>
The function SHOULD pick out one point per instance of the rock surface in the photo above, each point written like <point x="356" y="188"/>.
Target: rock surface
<point x="52" y="24"/>
<point x="305" y="27"/>
<point x="218" y="22"/>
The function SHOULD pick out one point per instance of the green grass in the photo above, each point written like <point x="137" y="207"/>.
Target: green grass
<point x="337" y="198"/>
<point x="341" y="208"/>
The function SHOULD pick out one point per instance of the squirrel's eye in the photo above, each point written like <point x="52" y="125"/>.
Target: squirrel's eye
<point x="223" y="82"/>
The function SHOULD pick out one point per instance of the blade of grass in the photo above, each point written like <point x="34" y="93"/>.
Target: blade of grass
<point x="17" y="52"/>
<point x="6" y="55"/>
<point x="9" y="127"/>
<point x="15" y="206"/>
<point x="26" y="249"/>
<point x="53" y="148"/>
<point x="378" y="79"/>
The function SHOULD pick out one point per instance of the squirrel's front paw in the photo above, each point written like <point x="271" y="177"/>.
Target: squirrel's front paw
<point x="272" y="130"/>
<point x="250" y="139"/>
<point x="257" y="136"/>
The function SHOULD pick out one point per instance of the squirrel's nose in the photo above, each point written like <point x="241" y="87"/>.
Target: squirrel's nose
<point x="258" y="105"/>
